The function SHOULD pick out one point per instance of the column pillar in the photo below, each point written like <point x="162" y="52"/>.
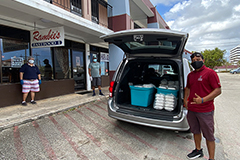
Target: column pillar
<point x="87" y="60"/>
<point x="120" y="20"/>
<point x="152" y="21"/>
<point x="86" y="9"/>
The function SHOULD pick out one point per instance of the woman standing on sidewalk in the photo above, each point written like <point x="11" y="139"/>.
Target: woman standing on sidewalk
<point x="30" y="79"/>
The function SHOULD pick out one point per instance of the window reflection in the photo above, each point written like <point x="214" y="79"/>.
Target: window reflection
<point x="43" y="59"/>
<point x="61" y="59"/>
<point x="78" y="69"/>
<point x="104" y="63"/>
<point x="14" y="54"/>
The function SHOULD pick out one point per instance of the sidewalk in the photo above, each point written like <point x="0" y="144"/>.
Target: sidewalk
<point x="17" y="114"/>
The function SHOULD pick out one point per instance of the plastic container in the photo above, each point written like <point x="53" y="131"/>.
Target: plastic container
<point x="167" y="91"/>
<point x="142" y="97"/>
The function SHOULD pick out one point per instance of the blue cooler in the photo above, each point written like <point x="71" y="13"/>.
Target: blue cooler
<point x="167" y="91"/>
<point x="141" y="96"/>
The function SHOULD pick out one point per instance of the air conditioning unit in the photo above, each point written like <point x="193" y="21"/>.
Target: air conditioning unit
<point x="75" y="9"/>
<point x="95" y="19"/>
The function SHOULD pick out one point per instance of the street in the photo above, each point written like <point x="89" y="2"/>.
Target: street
<point x="88" y="133"/>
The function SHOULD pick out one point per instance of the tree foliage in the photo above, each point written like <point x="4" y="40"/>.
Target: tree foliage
<point x="238" y="63"/>
<point x="214" y="57"/>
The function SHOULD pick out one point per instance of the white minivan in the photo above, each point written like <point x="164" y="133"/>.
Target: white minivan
<point x="148" y="85"/>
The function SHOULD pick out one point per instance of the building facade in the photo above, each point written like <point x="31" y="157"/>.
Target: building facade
<point x="235" y="55"/>
<point x="63" y="64"/>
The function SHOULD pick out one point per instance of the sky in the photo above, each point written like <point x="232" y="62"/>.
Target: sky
<point x="210" y="23"/>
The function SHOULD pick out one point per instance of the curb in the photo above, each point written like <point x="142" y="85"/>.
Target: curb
<point x="33" y="118"/>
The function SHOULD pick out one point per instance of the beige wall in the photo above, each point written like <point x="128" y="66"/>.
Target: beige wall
<point x="103" y="17"/>
<point x="65" y="4"/>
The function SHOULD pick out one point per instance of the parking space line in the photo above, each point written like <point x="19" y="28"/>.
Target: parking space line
<point x="73" y="144"/>
<point x="18" y="144"/>
<point x="83" y="130"/>
<point x="109" y="134"/>
<point x="129" y="133"/>
<point x="110" y="155"/>
<point x="135" y="126"/>
<point x="44" y="141"/>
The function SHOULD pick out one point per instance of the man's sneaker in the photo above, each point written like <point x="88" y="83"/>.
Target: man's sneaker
<point x="93" y="94"/>
<point x="24" y="103"/>
<point x="33" y="102"/>
<point x="195" y="154"/>
<point x="101" y="94"/>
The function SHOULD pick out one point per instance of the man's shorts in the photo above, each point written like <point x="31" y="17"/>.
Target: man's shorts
<point x="30" y="85"/>
<point x="96" y="81"/>
<point x="202" y="122"/>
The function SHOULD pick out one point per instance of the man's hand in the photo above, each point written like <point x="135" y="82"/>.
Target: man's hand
<point x="197" y="100"/>
<point x="185" y="102"/>
<point x="91" y="78"/>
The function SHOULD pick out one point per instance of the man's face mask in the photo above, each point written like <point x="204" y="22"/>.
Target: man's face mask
<point x="197" y="64"/>
<point x="94" y="60"/>
<point x="31" y="61"/>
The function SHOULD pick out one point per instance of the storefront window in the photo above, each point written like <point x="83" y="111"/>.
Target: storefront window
<point x="43" y="59"/>
<point x="104" y="63"/>
<point x="78" y="69"/>
<point x="14" y="54"/>
<point x="61" y="62"/>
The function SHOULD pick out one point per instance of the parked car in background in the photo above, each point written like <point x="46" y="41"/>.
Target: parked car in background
<point x="235" y="71"/>
<point x="153" y="57"/>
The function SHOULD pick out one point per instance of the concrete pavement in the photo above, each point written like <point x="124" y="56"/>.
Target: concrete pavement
<point x="17" y="114"/>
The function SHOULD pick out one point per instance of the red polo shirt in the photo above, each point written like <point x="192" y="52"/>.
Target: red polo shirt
<point x="202" y="82"/>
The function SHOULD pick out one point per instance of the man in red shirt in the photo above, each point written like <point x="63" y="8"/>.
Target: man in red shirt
<point x="203" y="86"/>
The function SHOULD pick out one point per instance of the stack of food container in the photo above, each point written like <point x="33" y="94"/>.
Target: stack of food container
<point x="166" y="96"/>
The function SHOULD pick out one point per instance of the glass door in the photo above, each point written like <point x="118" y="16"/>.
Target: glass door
<point x="79" y="72"/>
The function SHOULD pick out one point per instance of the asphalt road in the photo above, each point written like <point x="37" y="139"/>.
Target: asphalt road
<point x="227" y="111"/>
<point x="88" y="133"/>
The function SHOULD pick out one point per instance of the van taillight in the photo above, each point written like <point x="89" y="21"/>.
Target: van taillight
<point x="111" y="88"/>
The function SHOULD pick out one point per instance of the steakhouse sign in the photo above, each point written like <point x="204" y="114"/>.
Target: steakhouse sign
<point x="51" y="37"/>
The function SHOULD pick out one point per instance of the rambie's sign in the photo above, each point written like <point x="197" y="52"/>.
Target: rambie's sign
<point x="50" y="37"/>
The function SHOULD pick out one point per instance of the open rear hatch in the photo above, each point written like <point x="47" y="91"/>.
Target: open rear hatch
<point x="145" y="48"/>
<point x="149" y="42"/>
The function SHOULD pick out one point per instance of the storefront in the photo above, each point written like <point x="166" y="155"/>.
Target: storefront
<point x="63" y="69"/>
<point x="103" y="58"/>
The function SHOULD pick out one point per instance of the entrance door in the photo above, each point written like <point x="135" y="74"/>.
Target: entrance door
<point x="79" y="72"/>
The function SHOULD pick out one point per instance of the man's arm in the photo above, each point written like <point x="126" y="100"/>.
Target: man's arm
<point x="198" y="100"/>
<point x="21" y="75"/>
<point x="89" y="72"/>
<point x="39" y="76"/>
<point x="186" y="95"/>
<point x="216" y="92"/>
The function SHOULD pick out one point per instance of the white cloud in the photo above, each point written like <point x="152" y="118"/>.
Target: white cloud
<point x="179" y="6"/>
<point x="164" y="2"/>
<point x="210" y="23"/>
<point x="206" y="3"/>
<point x="237" y="8"/>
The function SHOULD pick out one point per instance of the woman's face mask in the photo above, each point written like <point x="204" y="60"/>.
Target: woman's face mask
<point x="94" y="60"/>
<point x="31" y="61"/>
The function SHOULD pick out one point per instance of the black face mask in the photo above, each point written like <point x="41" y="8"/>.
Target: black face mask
<point x="197" y="64"/>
